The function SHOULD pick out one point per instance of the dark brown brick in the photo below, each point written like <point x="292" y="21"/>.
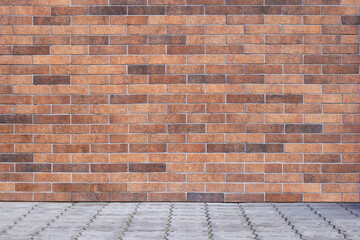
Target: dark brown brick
<point x="18" y="157"/>
<point x="350" y="20"/>
<point x="128" y="2"/>
<point x="245" y="98"/>
<point x="322" y="79"/>
<point x="90" y="40"/>
<point x="223" y="10"/>
<point x="118" y="167"/>
<point x="322" y="158"/>
<point x="206" y="79"/>
<point x="71" y="187"/>
<point x="52" y="119"/>
<point x="66" y="11"/>
<point x="269" y="10"/>
<point x="185" y="10"/>
<point x="283" y="197"/>
<point x="186" y="49"/>
<point x="264" y="147"/>
<point x="73" y="167"/>
<point x="322" y="59"/>
<point x="186" y="128"/>
<point x="322" y="138"/>
<point x="321" y="178"/>
<point x="107" y="10"/>
<point x="51" y="20"/>
<point x="89" y="99"/>
<point x="51" y="80"/>
<point x="146" y="10"/>
<point x="128" y="99"/>
<point x="205" y="197"/>
<point x="146" y="69"/>
<point x="168" y="40"/>
<point x="147" y="147"/>
<point x="270" y="98"/>
<point x="17" y="118"/>
<point x="31" y="50"/>
<point x="147" y="167"/>
<point x="225" y="147"/>
<point x="283" y="2"/>
<point x="30" y="167"/>
<point x="303" y="128"/>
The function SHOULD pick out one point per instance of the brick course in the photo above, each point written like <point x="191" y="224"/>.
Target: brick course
<point x="175" y="100"/>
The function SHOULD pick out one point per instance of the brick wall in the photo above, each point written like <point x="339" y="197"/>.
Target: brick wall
<point x="179" y="100"/>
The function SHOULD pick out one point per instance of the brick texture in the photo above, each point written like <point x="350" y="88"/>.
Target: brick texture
<point x="174" y="100"/>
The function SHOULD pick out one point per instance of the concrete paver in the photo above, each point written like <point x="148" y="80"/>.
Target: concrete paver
<point x="179" y="221"/>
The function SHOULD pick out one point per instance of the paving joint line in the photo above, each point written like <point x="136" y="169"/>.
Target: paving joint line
<point x="349" y="210"/>
<point x="19" y="219"/>
<point x="98" y="212"/>
<point x="168" y="224"/>
<point x="208" y="221"/>
<point x="129" y="221"/>
<point x="327" y="221"/>
<point x="63" y="211"/>
<point x="249" y="223"/>
<point x="297" y="232"/>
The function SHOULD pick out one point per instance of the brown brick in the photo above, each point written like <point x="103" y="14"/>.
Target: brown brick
<point x="284" y="98"/>
<point x="147" y="147"/>
<point x="89" y="40"/>
<point x="185" y="49"/>
<point x="186" y="128"/>
<point x="51" y="119"/>
<point x="58" y="11"/>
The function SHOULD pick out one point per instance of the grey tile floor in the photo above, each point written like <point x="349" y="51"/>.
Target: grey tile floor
<point x="178" y="221"/>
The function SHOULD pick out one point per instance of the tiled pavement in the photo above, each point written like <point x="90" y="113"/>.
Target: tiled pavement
<point x="179" y="221"/>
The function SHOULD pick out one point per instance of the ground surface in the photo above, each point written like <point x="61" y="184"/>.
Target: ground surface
<point x="178" y="221"/>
